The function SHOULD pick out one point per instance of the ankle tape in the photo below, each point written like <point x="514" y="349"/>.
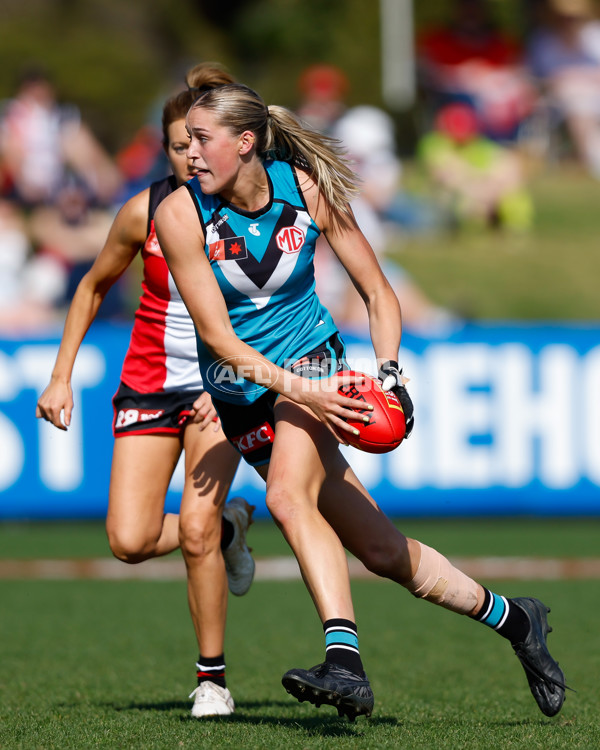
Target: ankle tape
<point x="439" y="582"/>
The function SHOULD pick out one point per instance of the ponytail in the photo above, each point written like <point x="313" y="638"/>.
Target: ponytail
<point x="321" y="156"/>
<point x="280" y="135"/>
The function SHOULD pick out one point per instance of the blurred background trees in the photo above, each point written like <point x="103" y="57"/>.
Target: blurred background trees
<point x="117" y="59"/>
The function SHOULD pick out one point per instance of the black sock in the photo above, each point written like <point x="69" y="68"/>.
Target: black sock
<point x="341" y="644"/>
<point x="504" y="616"/>
<point x="211" y="669"/>
<point x="227" y="532"/>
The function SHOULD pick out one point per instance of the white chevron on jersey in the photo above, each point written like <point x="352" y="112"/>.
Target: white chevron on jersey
<point x="270" y="293"/>
<point x="285" y="267"/>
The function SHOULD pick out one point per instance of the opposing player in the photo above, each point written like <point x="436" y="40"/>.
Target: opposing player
<point x="161" y="409"/>
<point x="239" y="240"/>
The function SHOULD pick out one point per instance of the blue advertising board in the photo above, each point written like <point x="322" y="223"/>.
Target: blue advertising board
<point x="507" y="421"/>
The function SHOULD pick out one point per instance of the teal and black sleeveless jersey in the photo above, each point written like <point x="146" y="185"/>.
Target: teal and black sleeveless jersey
<point x="263" y="261"/>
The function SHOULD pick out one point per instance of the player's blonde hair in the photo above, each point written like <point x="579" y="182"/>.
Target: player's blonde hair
<point x="280" y="135"/>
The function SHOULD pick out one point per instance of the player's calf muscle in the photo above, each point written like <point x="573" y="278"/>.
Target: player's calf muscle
<point x="389" y="560"/>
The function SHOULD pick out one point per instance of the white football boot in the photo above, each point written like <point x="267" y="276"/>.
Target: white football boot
<point x="211" y="700"/>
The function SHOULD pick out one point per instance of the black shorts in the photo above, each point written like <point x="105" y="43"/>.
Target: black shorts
<point x="160" y="413"/>
<point x="251" y="428"/>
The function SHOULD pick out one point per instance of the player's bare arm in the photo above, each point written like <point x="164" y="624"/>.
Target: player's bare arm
<point x="124" y="240"/>
<point x="357" y="257"/>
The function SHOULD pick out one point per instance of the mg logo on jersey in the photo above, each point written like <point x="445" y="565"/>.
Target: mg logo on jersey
<point x="255" y="439"/>
<point x="290" y="240"/>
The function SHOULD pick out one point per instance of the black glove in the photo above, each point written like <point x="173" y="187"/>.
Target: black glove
<point x="391" y="378"/>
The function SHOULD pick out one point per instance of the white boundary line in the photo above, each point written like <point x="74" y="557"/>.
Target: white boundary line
<point x="286" y="569"/>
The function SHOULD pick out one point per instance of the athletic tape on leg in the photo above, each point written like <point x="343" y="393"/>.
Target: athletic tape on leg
<point x="438" y="581"/>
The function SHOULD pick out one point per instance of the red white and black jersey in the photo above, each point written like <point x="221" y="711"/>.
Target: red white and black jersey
<point x="162" y="354"/>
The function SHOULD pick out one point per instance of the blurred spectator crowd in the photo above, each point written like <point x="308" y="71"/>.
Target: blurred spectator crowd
<point x="58" y="189"/>
<point x="490" y="105"/>
<point x="522" y="92"/>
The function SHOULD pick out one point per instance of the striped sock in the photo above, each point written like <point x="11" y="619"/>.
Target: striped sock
<point x="505" y="617"/>
<point x="211" y="669"/>
<point x="341" y="644"/>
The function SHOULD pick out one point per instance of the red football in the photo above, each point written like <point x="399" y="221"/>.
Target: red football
<point x="386" y="427"/>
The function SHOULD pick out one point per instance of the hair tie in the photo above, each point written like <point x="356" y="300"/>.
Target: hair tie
<point x="198" y="91"/>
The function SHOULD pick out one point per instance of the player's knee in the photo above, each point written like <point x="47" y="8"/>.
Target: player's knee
<point x="283" y="504"/>
<point x="198" y="539"/>
<point x="129" y="548"/>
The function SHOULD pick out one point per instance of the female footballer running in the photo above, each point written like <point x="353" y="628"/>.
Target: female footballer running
<point x="239" y="240"/>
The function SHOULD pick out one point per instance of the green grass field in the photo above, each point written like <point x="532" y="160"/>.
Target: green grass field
<point x="98" y="664"/>
<point x="544" y="537"/>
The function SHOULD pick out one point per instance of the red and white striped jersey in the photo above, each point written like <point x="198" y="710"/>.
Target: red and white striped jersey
<point x="162" y="354"/>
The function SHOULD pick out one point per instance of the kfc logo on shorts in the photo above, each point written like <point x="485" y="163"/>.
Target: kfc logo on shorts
<point x="255" y="439"/>
<point x="127" y="417"/>
<point x="290" y="240"/>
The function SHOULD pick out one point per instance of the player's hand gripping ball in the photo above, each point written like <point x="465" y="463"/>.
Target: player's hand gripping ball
<point x="386" y="427"/>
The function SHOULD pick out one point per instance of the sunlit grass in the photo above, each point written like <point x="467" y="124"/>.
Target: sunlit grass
<point x="548" y="274"/>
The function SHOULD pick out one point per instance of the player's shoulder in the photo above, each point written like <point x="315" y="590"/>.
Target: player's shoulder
<point x="138" y="203"/>
<point x="307" y="186"/>
<point x="131" y="221"/>
<point x="176" y="211"/>
<point x="178" y="200"/>
<point x="160" y="189"/>
<point x="304" y="179"/>
<point x="314" y="200"/>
